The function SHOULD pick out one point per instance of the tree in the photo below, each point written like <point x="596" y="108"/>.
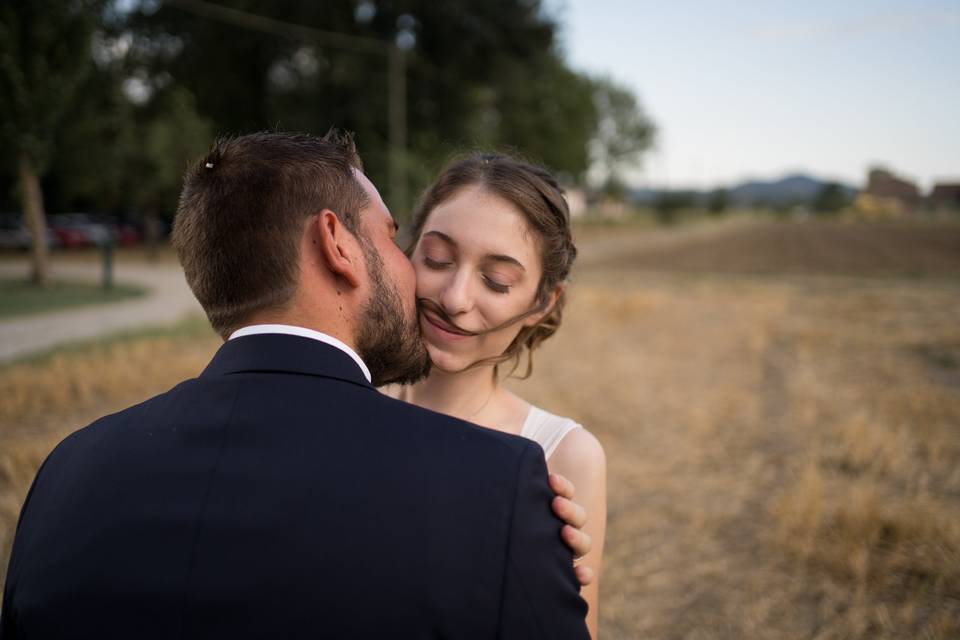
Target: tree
<point x="670" y="203"/>
<point x="169" y="135"/>
<point x="477" y="74"/>
<point x="831" y="198"/>
<point x="545" y="110"/>
<point x="167" y="76"/>
<point x="282" y="77"/>
<point x="717" y="201"/>
<point x="623" y="131"/>
<point x="44" y="56"/>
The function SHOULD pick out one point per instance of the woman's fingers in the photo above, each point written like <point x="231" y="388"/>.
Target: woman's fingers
<point x="569" y="511"/>
<point x="575" y="517"/>
<point x="560" y="485"/>
<point x="584" y="574"/>
<point x="578" y="541"/>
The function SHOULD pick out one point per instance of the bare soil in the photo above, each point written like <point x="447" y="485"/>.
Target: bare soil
<point x="817" y="247"/>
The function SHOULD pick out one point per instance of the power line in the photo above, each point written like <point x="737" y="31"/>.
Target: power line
<point x="276" y="27"/>
<point x="396" y="72"/>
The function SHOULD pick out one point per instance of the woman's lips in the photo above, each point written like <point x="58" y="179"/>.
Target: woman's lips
<point x="444" y="330"/>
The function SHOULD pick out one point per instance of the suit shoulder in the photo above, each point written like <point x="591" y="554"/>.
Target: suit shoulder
<point x="136" y="414"/>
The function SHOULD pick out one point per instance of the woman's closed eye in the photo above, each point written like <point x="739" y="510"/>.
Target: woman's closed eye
<point x="492" y="283"/>
<point x="430" y="263"/>
<point x="497" y="287"/>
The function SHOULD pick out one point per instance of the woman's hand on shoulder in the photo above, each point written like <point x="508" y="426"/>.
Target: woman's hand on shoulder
<point x="581" y="459"/>
<point x="574" y="517"/>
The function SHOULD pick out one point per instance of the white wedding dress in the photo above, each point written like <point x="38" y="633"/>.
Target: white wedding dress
<point x="546" y="429"/>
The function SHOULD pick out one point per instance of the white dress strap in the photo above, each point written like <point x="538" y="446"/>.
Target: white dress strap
<point x="546" y="429"/>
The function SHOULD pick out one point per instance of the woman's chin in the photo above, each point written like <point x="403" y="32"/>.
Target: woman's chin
<point x="445" y="361"/>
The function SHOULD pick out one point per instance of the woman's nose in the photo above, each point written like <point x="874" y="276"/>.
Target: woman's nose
<point x="456" y="297"/>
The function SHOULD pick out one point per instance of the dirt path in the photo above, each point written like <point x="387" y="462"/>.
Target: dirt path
<point x="169" y="299"/>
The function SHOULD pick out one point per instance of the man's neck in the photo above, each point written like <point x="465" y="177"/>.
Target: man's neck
<point x="336" y="330"/>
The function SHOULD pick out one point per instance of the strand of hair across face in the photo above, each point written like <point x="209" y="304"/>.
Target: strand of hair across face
<point x="434" y="307"/>
<point x="496" y="360"/>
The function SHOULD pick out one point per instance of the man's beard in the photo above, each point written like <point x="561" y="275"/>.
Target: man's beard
<point x="388" y="340"/>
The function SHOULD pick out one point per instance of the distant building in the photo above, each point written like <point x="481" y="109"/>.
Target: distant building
<point x="608" y="208"/>
<point x="884" y="184"/>
<point x="945" y="196"/>
<point x="887" y="195"/>
<point x="576" y="201"/>
<point x="594" y="205"/>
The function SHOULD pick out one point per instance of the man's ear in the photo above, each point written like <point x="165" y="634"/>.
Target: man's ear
<point x="337" y="248"/>
<point x="551" y="302"/>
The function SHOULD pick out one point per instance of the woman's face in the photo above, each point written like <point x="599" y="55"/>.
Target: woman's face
<point x="477" y="262"/>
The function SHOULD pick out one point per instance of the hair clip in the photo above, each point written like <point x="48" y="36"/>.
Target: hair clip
<point x="209" y="165"/>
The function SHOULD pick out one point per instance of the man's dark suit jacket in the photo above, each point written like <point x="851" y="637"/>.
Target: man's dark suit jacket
<point x="279" y="495"/>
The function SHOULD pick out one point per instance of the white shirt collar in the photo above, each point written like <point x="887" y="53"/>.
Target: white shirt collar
<point x="303" y="332"/>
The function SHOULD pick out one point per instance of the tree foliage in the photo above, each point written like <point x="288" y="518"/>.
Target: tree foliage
<point x="830" y="199"/>
<point x="167" y="79"/>
<point x="623" y="131"/>
<point x="44" y="57"/>
<point x="717" y="201"/>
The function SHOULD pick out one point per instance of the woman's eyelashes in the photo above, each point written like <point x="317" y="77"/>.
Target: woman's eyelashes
<point x="491" y="283"/>
<point x="497" y="287"/>
<point x="430" y="263"/>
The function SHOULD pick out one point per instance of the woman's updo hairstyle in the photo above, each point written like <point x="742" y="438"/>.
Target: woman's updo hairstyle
<point x="535" y="193"/>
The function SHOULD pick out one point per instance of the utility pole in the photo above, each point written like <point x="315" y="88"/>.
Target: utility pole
<point x="398" y="131"/>
<point x="397" y="73"/>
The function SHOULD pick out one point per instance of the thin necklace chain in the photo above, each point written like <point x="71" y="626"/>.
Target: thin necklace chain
<point x="405" y="392"/>
<point x="485" y="403"/>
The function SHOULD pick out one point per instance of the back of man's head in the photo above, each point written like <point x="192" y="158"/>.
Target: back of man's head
<point x="242" y="212"/>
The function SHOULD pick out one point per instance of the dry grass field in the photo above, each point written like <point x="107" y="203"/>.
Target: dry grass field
<point x="780" y="405"/>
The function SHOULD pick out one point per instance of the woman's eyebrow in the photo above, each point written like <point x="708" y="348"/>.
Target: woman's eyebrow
<point x="496" y="257"/>
<point x="442" y="236"/>
<point x="502" y="258"/>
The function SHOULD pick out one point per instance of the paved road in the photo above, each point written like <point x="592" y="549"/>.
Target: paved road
<point x="169" y="300"/>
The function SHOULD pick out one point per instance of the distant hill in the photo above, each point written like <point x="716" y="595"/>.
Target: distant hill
<point x="791" y="189"/>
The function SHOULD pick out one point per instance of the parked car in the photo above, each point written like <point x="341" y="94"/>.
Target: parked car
<point x="126" y="234"/>
<point x="79" y="230"/>
<point x="14" y="234"/>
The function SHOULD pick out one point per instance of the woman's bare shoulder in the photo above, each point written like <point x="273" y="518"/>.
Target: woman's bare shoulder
<point x="579" y="453"/>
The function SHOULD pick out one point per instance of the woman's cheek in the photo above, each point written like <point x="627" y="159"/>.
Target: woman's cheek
<point x="428" y="282"/>
<point x="421" y="275"/>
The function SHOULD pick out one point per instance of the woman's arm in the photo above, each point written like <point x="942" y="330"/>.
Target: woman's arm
<point x="580" y="458"/>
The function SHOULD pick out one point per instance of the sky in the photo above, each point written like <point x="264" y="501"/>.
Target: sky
<point x="756" y="90"/>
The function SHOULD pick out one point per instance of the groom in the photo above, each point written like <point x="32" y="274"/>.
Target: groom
<point x="279" y="495"/>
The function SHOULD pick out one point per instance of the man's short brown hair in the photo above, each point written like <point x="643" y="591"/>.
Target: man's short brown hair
<point x="242" y="211"/>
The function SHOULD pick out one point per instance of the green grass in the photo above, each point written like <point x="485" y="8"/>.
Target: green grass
<point x="18" y="297"/>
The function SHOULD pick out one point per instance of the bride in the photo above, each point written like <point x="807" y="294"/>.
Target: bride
<point x="492" y="251"/>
